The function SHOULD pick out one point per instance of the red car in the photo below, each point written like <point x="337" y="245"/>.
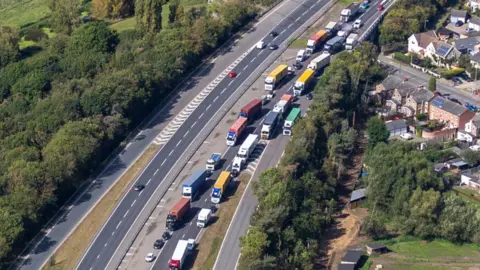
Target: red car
<point x="232" y="74"/>
<point x="380" y="7"/>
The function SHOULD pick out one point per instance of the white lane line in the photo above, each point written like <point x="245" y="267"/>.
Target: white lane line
<point x="223" y="91"/>
<point x="290" y="25"/>
<point x="260" y="53"/>
<point x="194" y="123"/>
<point x="208" y="107"/>
<point x="118" y="225"/>
<point x="239" y="74"/>
<point x="304" y="13"/>
<point x="298" y="19"/>
<point x="283" y="31"/>
<point x="183" y="235"/>
<point x="200" y="116"/>
<point x="126" y="213"/>
<point x="185" y="135"/>
<point x="206" y="199"/>
<point x="163" y="162"/>
<point x="113" y="233"/>
<point x="139" y="194"/>
<point x="230" y="83"/>
<point x="215" y="99"/>
<point x="133" y="203"/>
<point x="148" y="182"/>
<point x="191" y="223"/>
<point x="178" y="143"/>
<point x="253" y="59"/>
<point x="105" y="245"/>
<point x="245" y="67"/>
<point x="98" y="256"/>
<point x="155" y="172"/>
<point x="169" y="154"/>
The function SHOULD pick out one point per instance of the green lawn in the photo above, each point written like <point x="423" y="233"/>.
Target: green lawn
<point x="298" y="43"/>
<point x="22" y="12"/>
<point x="423" y="267"/>
<point x="126" y="24"/>
<point x="469" y="198"/>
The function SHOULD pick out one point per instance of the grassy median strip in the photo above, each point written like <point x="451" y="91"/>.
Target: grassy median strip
<point x="212" y="238"/>
<point x="70" y="252"/>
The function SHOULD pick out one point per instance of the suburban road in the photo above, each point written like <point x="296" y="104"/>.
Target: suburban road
<point x="67" y="219"/>
<point x="104" y="246"/>
<point x="230" y="250"/>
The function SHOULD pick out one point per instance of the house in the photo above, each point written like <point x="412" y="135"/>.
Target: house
<point x="397" y="127"/>
<point x="473" y="126"/>
<point x="475" y="60"/>
<point x="389" y="84"/>
<point x="458" y="15"/>
<point x="376" y="248"/>
<point x="418" y="100"/>
<point x="344" y="266"/>
<point x="474" y="23"/>
<point x="464" y="136"/>
<point x="474" y="4"/>
<point x="357" y="197"/>
<point x="467" y="45"/>
<point x="428" y="45"/>
<point x="471" y="178"/>
<point x="449" y="113"/>
<point x="352" y="257"/>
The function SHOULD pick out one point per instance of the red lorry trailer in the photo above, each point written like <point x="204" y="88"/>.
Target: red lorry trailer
<point x="251" y="109"/>
<point x="177" y="212"/>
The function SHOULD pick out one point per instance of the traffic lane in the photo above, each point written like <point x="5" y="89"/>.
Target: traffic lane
<point x="280" y="35"/>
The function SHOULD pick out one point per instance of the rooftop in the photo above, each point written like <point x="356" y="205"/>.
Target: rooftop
<point x="357" y="195"/>
<point x="346" y="266"/>
<point x="352" y="256"/>
<point x="376" y="246"/>
<point x="474" y="20"/>
<point x="448" y="106"/>
<point x="466" y="43"/>
<point x="425" y="38"/>
<point x="458" y="13"/>
<point x="396" y="124"/>
<point x="422" y="95"/>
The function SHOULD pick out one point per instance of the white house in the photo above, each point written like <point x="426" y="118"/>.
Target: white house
<point x="458" y="15"/>
<point x="428" y="45"/>
<point x="474" y="5"/>
<point x="397" y="127"/>
<point x="474" y="23"/>
<point x="470" y="179"/>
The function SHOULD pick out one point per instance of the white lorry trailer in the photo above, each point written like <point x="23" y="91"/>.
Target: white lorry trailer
<point x="352" y="40"/>
<point x="203" y="217"/>
<point x="320" y="62"/>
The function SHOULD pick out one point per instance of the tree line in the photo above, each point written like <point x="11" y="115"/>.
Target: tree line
<point x="298" y="198"/>
<point x="406" y="196"/>
<point x="64" y="108"/>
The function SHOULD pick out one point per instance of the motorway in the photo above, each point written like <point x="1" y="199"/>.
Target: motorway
<point x="110" y="237"/>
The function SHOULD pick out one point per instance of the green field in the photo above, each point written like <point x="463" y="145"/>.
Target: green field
<point x="22" y="12"/>
<point x="124" y="24"/>
<point x="433" y="249"/>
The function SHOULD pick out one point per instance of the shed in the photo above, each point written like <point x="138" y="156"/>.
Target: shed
<point x="357" y="197"/>
<point x="344" y="266"/>
<point x="397" y="127"/>
<point x="458" y="15"/>
<point x="352" y="257"/>
<point x="376" y="248"/>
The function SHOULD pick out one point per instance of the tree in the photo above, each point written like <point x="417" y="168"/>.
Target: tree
<point x="471" y="157"/>
<point x="432" y="84"/>
<point x="65" y="14"/>
<point x="9" y="50"/>
<point x="149" y="15"/>
<point x="92" y="37"/>
<point x="377" y="131"/>
<point x="112" y="8"/>
<point x="173" y="8"/>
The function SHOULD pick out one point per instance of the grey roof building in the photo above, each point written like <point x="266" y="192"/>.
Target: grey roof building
<point x="352" y="257"/>
<point x="448" y="106"/>
<point x="357" y="195"/>
<point x="467" y="45"/>
<point x="422" y="95"/>
<point x="396" y="124"/>
<point x="344" y="266"/>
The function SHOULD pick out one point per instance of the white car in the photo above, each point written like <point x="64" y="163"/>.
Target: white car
<point x="357" y="24"/>
<point x="407" y="136"/>
<point x="261" y="45"/>
<point x="191" y="244"/>
<point x="475" y="148"/>
<point x="150" y="257"/>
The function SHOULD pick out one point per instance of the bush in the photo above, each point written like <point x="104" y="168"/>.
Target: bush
<point x="421" y="117"/>
<point x="451" y="73"/>
<point x="402" y="57"/>
<point x="35" y="35"/>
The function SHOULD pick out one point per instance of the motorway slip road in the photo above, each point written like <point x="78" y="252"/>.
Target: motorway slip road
<point x="110" y="237"/>
<point x="66" y="220"/>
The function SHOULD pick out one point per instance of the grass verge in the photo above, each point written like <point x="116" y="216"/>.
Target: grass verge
<point x="70" y="252"/>
<point x="127" y="24"/>
<point x="298" y="44"/>
<point x="22" y="12"/>
<point x="212" y="238"/>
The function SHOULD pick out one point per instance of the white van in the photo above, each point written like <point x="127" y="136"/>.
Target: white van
<point x="261" y="45"/>
<point x="300" y="56"/>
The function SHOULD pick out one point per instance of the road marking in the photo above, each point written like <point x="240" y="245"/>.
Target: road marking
<point x="223" y="91"/>
<point x="125" y="213"/>
<point x="215" y="99"/>
<point x="184" y="135"/>
<point x="140" y="193"/>
<point x="304" y="13"/>
<point x="290" y="25"/>
<point x="283" y="31"/>
<point x="206" y="199"/>
<point x="191" y="223"/>
<point x="296" y="20"/>
<point x="128" y="145"/>
<point x="118" y="225"/>
<point x="98" y="256"/>
<point x="105" y="245"/>
<point x="214" y="59"/>
<point x="169" y="154"/>
<point x="163" y="162"/>
<point x="245" y="67"/>
<point x="148" y="182"/>
<point x="201" y="115"/>
<point x="230" y="83"/>
<point x="253" y="59"/>
<point x="178" y="143"/>
<point x="183" y="235"/>
<point x="239" y="73"/>
<point x="133" y="203"/>
<point x="155" y="172"/>
<point x="260" y="53"/>
<point x="208" y="107"/>
<point x="113" y="233"/>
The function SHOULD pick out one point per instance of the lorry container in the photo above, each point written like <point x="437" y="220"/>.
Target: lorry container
<point x="193" y="184"/>
<point x="236" y="131"/>
<point x="269" y="125"/>
<point x="274" y="78"/>
<point x="283" y="105"/>
<point x="334" y="45"/>
<point x="248" y="146"/>
<point x="331" y="29"/>
<point x="213" y="162"/>
<point x="179" y="255"/>
<point x="252" y="109"/>
<point x="319" y="62"/>
<point x="292" y="118"/>
<point x="346" y="30"/>
<point x="177" y="212"/>
<point x="351" y="41"/>
<point x="203" y="217"/>
<point x="220" y="186"/>
<point x="349" y="12"/>
<point x="303" y="82"/>
<point x="314" y="43"/>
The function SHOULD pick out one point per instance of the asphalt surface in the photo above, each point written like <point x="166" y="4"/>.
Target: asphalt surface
<point x="104" y="246"/>
<point x="66" y="220"/>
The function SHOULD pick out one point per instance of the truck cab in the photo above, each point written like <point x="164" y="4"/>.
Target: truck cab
<point x="357" y="24"/>
<point x="212" y="162"/>
<point x="237" y="165"/>
<point x="300" y="56"/>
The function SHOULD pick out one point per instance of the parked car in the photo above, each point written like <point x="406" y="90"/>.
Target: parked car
<point x="456" y="81"/>
<point x="407" y="136"/>
<point x="454" y="100"/>
<point x="465" y="77"/>
<point x="150" y="257"/>
<point x="458" y="23"/>
<point x="309" y="96"/>
<point x="166" y="235"/>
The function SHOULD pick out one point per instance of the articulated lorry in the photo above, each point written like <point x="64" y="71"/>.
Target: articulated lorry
<point x="251" y="110"/>
<point x="352" y="40"/>
<point x="332" y="28"/>
<point x="244" y="152"/>
<point x="203" y="217"/>
<point x="193" y="184"/>
<point x="220" y="187"/>
<point x="236" y="131"/>
<point x="269" y="125"/>
<point x="292" y="118"/>
<point x="314" y="43"/>
<point x="349" y="12"/>
<point x="319" y="62"/>
<point x="179" y="255"/>
<point x="303" y="82"/>
<point x="283" y="106"/>
<point x="274" y="78"/>
<point x="334" y="45"/>
<point x="213" y="162"/>
<point x="176" y="214"/>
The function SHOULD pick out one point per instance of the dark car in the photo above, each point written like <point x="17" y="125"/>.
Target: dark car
<point x="273" y="34"/>
<point x="139" y="187"/>
<point x="465" y="77"/>
<point x="458" y="23"/>
<point x="166" y="236"/>
<point x="456" y="81"/>
<point x="309" y="96"/>
<point x="454" y="100"/>
<point x="298" y="65"/>
<point x="213" y="208"/>
<point x="273" y="47"/>
<point x="158" y="244"/>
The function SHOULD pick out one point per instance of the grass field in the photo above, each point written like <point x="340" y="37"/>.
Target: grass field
<point x="22" y="12"/>
<point x="123" y="25"/>
<point x="469" y="197"/>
